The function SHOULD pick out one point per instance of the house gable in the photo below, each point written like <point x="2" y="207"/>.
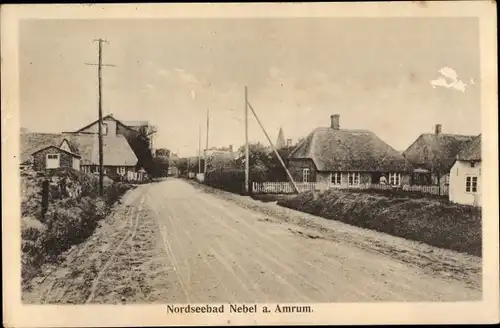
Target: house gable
<point x="112" y="125"/>
<point x="57" y="149"/>
<point x="66" y="146"/>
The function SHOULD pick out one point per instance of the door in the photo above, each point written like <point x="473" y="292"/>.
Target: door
<point x="52" y="161"/>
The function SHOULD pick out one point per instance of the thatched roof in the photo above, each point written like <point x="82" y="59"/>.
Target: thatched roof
<point x="472" y="151"/>
<point x="349" y="150"/>
<point x="116" y="150"/>
<point x="433" y="151"/>
<point x="32" y="142"/>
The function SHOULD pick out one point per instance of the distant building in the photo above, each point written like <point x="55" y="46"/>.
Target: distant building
<point x="465" y="175"/>
<point x="433" y="154"/>
<point x="220" y="158"/>
<point x="347" y="157"/>
<point x="289" y="142"/>
<point x="280" y="143"/>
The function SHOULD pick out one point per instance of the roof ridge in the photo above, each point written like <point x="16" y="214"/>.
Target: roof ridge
<point x="327" y="128"/>
<point x="450" y="135"/>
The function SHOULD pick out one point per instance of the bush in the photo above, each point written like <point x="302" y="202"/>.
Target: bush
<point x="68" y="221"/>
<point x="432" y="221"/>
<point x="232" y="180"/>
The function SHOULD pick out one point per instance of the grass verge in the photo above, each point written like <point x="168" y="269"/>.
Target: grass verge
<point x="432" y="221"/>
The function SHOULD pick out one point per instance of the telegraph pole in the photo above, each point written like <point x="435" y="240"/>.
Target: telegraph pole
<point x="206" y="143"/>
<point x="199" y="148"/>
<point x="247" y="160"/>
<point x="99" y="78"/>
<point x="274" y="149"/>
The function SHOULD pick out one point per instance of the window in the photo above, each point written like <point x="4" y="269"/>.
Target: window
<point x="336" y="178"/>
<point x="471" y="184"/>
<point x="52" y="161"/>
<point x="395" y="179"/>
<point x="85" y="169"/>
<point x="104" y="129"/>
<point x="121" y="170"/>
<point x="305" y="175"/>
<point x="353" y="178"/>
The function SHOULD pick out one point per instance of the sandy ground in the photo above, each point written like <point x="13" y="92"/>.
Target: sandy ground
<point x="176" y="241"/>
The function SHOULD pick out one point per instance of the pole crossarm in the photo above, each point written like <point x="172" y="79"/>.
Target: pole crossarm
<point x="102" y="65"/>
<point x="274" y="149"/>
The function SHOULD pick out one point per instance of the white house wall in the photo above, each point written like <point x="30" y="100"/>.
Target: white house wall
<point x="65" y="145"/>
<point x="458" y="174"/>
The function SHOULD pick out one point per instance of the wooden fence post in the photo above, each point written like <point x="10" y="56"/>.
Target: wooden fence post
<point x="45" y="197"/>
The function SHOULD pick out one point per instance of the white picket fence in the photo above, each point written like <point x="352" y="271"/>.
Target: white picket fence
<point x="135" y="176"/>
<point x="287" y="187"/>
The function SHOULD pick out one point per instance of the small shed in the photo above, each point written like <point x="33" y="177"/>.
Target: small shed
<point x="53" y="157"/>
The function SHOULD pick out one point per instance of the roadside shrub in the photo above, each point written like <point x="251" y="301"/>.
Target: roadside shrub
<point x="68" y="221"/>
<point x="232" y="180"/>
<point x="428" y="220"/>
<point x="114" y="191"/>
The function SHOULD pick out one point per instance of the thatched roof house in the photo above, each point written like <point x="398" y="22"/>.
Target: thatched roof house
<point x="465" y="175"/>
<point x="116" y="149"/>
<point x="436" y="152"/>
<point x="328" y="150"/>
<point x="472" y="151"/>
<point x="33" y="142"/>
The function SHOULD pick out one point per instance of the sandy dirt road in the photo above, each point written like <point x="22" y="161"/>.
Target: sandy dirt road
<point x="177" y="242"/>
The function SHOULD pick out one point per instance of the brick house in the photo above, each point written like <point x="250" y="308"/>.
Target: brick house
<point x="347" y="157"/>
<point x="53" y="157"/>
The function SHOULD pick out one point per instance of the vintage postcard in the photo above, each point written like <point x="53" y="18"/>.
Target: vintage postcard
<point x="249" y="164"/>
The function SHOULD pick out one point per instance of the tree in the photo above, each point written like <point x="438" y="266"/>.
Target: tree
<point x="182" y="165"/>
<point x="264" y="160"/>
<point x="161" y="162"/>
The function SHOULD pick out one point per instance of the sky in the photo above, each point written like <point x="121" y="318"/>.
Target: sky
<point x="397" y="77"/>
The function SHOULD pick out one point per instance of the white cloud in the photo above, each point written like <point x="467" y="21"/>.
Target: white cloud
<point x="449" y="79"/>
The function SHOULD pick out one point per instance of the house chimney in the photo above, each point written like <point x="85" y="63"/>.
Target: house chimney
<point x="335" y="121"/>
<point x="438" y="129"/>
<point x="289" y="142"/>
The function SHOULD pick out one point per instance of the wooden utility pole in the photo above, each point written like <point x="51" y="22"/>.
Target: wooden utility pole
<point x="206" y="143"/>
<point x="247" y="157"/>
<point x="199" y="148"/>
<point x="274" y="149"/>
<point x="99" y="78"/>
